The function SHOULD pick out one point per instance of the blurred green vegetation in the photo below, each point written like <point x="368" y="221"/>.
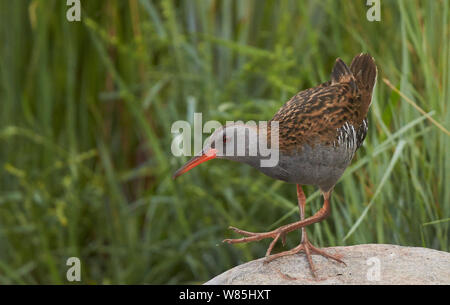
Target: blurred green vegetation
<point x="86" y="111"/>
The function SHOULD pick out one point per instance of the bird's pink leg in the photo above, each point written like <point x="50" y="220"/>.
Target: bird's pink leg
<point x="277" y="233"/>
<point x="305" y="245"/>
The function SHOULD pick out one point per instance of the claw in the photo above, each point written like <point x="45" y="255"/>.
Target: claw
<point x="283" y="239"/>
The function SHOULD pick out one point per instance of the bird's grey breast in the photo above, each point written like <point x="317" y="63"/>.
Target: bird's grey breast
<point x="319" y="164"/>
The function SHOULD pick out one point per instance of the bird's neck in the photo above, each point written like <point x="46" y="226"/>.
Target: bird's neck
<point x="261" y="147"/>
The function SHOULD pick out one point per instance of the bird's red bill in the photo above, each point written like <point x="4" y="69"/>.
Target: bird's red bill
<point x="211" y="154"/>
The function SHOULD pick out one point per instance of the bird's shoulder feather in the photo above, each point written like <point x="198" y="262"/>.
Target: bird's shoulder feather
<point x="314" y="115"/>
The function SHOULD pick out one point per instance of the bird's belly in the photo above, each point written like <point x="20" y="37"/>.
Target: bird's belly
<point x="319" y="165"/>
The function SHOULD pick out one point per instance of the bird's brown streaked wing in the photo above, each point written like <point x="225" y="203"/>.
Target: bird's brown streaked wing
<point x="315" y="115"/>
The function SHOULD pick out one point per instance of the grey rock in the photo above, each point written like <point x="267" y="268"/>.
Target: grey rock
<point x="397" y="265"/>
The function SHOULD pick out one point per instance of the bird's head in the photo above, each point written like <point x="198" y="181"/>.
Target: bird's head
<point x="237" y="141"/>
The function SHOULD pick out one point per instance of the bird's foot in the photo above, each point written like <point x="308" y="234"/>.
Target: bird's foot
<point x="251" y="236"/>
<point x="309" y="249"/>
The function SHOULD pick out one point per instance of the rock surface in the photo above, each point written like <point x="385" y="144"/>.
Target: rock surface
<point x="396" y="265"/>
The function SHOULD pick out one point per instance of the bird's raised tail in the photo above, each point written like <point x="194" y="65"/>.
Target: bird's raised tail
<point x="365" y="72"/>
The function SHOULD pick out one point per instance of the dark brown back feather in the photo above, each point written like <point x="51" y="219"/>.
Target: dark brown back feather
<point x="315" y="115"/>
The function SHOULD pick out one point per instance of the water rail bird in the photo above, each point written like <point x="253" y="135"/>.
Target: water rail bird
<point x="319" y="130"/>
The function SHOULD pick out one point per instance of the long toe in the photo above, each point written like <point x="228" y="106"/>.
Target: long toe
<point x="250" y="236"/>
<point x="309" y="250"/>
<point x="336" y="257"/>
